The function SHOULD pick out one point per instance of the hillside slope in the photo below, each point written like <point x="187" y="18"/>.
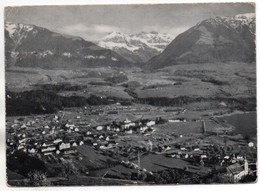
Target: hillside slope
<point x="31" y="46"/>
<point x="213" y="40"/>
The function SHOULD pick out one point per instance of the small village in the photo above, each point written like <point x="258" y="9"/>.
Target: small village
<point x="126" y="142"/>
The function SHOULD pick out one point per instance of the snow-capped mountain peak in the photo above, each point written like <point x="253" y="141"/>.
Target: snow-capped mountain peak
<point x="141" y="46"/>
<point x="12" y="28"/>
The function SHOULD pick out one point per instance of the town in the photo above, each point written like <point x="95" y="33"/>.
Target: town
<point x="98" y="150"/>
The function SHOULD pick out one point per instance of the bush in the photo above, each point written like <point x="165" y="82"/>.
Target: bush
<point x="37" y="178"/>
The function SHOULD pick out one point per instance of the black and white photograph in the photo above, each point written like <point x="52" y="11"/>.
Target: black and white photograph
<point x="130" y="94"/>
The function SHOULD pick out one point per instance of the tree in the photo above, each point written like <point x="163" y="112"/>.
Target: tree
<point x="69" y="168"/>
<point x="247" y="138"/>
<point x="38" y="178"/>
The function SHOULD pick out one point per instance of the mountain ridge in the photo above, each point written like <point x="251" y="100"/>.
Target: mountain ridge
<point x="28" y="45"/>
<point x="139" y="47"/>
<point x="217" y="39"/>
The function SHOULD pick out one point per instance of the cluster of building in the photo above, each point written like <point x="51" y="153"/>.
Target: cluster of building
<point x="229" y="161"/>
<point x="35" y="138"/>
<point x="50" y="136"/>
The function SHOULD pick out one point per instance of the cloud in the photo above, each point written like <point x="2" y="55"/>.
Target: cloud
<point x="90" y="32"/>
<point x="94" y="32"/>
<point x="174" y="31"/>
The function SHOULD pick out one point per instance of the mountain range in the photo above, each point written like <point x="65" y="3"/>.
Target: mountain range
<point x="214" y="40"/>
<point x="138" y="47"/>
<point x="28" y="45"/>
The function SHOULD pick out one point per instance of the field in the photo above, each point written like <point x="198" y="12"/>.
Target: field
<point x="223" y="79"/>
<point x="244" y="124"/>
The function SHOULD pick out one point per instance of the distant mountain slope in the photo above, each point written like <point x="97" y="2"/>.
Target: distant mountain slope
<point x="136" y="47"/>
<point x="213" y="40"/>
<point x="31" y="46"/>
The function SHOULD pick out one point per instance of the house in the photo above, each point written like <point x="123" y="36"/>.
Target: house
<point x="99" y="128"/>
<point x="236" y="172"/>
<point x="166" y="148"/>
<point x="150" y="123"/>
<point x="47" y="144"/>
<point x="174" y="120"/>
<point x="226" y="157"/>
<point x="129" y="131"/>
<point x="88" y="133"/>
<point x="203" y="156"/>
<point x="48" y="153"/>
<point x="23" y="140"/>
<point x="142" y="129"/>
<point x="251" y="144"/>
<point x="69" y="151"/>
<point x="127" y="121"/>
<point x="126" y="126"/>
<point x="63" y="146"/>
<point x="20" y="147"/>
<point x="56" y="141"/>
<point x="31" y="150"/>
<point x="69" y="125"/>
<point x="48" y="149"/>
<point x="14" y="125"/>
<point x="101" y="137"/>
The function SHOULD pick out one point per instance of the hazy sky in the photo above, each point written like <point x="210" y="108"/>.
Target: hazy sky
<point x="94" y="21"/>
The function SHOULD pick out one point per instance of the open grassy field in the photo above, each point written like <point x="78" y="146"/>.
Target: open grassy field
<point x="244" y="124"/>
<point x="230" y="79"/>
<point x="206" y="80"/>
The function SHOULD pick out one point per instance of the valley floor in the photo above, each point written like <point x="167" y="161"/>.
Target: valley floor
<point x="182" y="124"/>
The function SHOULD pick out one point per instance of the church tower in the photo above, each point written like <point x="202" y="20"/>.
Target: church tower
<point x="246" y="166"/>
<point x="203" y="127"/>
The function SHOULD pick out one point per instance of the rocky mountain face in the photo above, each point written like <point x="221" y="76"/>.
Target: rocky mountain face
<point x="213" y="40"/>
<point x="32" y="46"/>
<point x="136" y="47"/>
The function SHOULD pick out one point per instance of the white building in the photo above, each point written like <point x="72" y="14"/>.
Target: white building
<point x="236" y="171"/>
<point x="31" y="150"/>
<point x="48" y="149"/>
<point x="150" y="123"/>
<point x="57" y="141"/>
<point x="127" y="121"/>
<point x="99" y="128"/>
<point x="64" y="146"/>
